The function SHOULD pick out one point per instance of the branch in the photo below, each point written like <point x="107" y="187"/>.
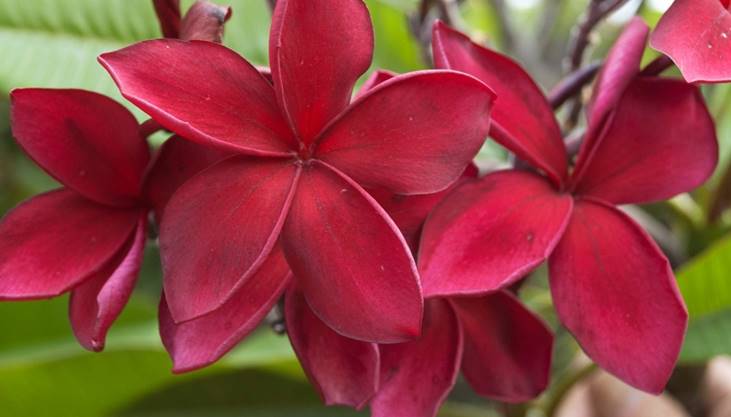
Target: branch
<point x="657" y="66"/>
<point x="150" y="127"/>
<point x="570" y="85"/>
<point x="597" y="11"/>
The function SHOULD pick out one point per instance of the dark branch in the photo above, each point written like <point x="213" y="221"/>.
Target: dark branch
<point x="150" y="127"/>
<point x="570" y="85"/>
<point x="657" y="66"/>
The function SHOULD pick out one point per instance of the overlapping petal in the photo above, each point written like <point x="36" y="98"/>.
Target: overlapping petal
<point x="96" y="303"/>
<point x="350" y="259"/>
<point x="168" y="14"/>
<point x="177" y="161"/>
<point x="413" y="134"/>
<point x="344" y="371"/>
<point x="490" y="232"/>
<point x="202" y="341"/>
<point x="317" y="50"/>
<point x="417" y="376"/>
<point x="235" y="108"/>
<point x="523" y="121"/>
<point x="219" y="228"/>
<point x="54" y="241"/>
<point x="636" y="160"/>
<point x="695" y="34"/>
<point x="614" y="290"/>
<point x="204" y="21"/>
<point x="376" y="78"/>
<point x="87" y="141"/>
<point x="507" y="348"/>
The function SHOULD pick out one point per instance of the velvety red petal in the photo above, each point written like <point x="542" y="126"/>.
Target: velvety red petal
<point x="352" y="263"/>
<point x="168" y="14"/>
<point x="204" y="92"/>
<point x="97" y="302"/>
<point x="344" y="371"/>
<point x="219" y="228"/>
<point x="413" y="134"/>
<point x="416" y="377"/>
<point x="177" y="161"/>
<point x="695" y="34"/>
<point x="317" y="50"/>
<point x="619" y="69"/>
<point x="200" y="342"/>
<point x="614" y="290"/>
<point x="376" y="78"/>
<point x="523" y="121"/>
<point x="54" y="241"/>
<point x="637" y="160"/>
<point x="507" y="348"/>
<point x="86" y="141"/>
<point x="204" y="21"/>
<point x="490" y="232"/>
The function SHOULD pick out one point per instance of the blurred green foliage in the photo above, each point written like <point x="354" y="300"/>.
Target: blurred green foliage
<point x="43" y="372"/>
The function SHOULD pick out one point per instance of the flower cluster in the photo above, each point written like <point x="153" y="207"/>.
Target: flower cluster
<point x="396" y="261"/>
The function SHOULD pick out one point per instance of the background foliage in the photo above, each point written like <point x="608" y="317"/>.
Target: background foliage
<point x="43" y="372"/>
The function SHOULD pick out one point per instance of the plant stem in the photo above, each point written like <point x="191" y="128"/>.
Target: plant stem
<point x="150" y="127"/>
<point x="570" y="85"/>
<point x="657" y="66"/>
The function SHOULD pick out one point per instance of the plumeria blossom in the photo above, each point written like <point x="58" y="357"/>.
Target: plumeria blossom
<point x="304" y="152"/>
<point x="203" y="21"/>
<point x="695" y="35"/>
<point x="612" y="286"/>
<point x="88" y="238"/>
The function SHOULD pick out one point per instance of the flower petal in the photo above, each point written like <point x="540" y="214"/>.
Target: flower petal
<point x="417" y="376"/>
<point x="614" y="290"/>
<point x="96" y="303"/>
<point x="200" y="342"/>
<point x="204" y="21"/>
<point x="490" y="232"/>
<point x="507" y="348"/>
<point x="635" y="161"/>
<point x="344" y="371"/>
<point x="317" y="50"/>
<point x="219" y="228"/>
<point x="177" y="161"/>
<point x="619" y="70"/>
<point x="87" y="141"/>
<point x="54" y="241"/>
<point x="523" y="121"/>
<point x="377" y="77"/>
<point x="695" y="34"/>
<point x="413" y="134"/>
<point x="352" y="263"/>
<point x="204" y="92"/>
<point x="168" y="14"/>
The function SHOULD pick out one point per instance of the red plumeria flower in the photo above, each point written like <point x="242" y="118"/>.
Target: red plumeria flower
<point x="203" y="21"/>
<point x="303" y="154"/>
<point x="696" y="34"/>
<point x="612" y="286"/>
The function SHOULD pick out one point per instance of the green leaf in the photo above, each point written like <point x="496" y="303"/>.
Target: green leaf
<point x="706" y="288"/>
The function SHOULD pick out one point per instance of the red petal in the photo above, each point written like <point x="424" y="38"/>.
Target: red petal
<point x="354" y="266"/>
<point x="523" y="121"/>
<point x="507" y="348"/>
<point x="413" y="134"/>
<point x="614" y="290"/>
<point x="54" y="241"/>
<point x="97" y="302"/>
<point x="219" y="228"/>
<point x="200" y="342"/>
<point x="168" y="13"/>
<point x="417" y="376"/>
<point x="85" y="140"/>
<point x="344" y="371"/>
<point x="376" y="78"/>
<point x="204" y="92"/>
<point x="490" y="232"/>
<point x="620" y="68"/>
<point x="177" y="161"/>
<point x="695" y="34"/>
<point x="318" y="49"/>
<point x="204" y="21"/>
<point x="636" y="160"/>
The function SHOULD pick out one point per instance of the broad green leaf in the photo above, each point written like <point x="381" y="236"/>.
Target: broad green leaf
<point x="706" y="287"/>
